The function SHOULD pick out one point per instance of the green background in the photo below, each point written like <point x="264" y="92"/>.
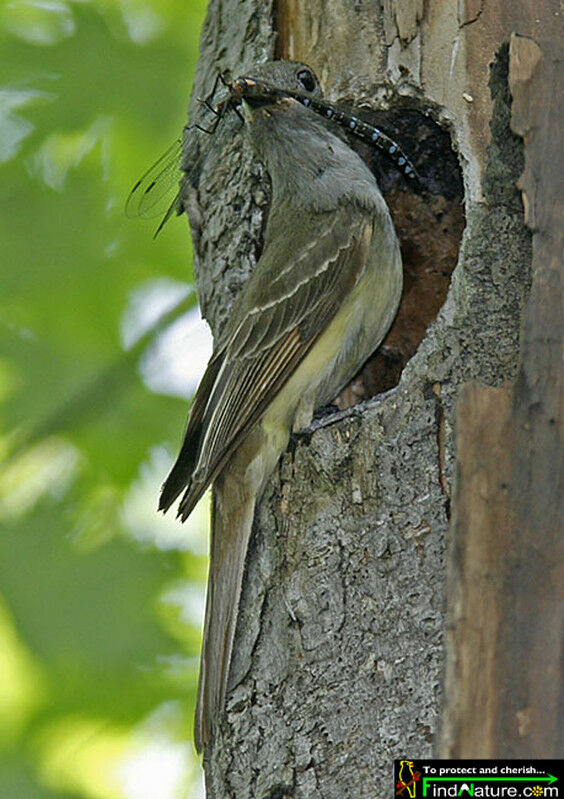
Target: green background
<point x="100" y="598"/>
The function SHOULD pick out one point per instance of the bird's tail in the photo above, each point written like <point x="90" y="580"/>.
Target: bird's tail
<point x="232" y="521"/>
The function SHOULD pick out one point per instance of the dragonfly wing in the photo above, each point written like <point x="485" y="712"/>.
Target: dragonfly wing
<point x="146" y="197"/>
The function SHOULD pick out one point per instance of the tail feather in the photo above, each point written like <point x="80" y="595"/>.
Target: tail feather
<point x="232" y="520"/>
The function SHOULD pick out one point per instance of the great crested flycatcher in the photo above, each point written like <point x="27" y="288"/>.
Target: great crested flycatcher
<point x="319" y="301"/>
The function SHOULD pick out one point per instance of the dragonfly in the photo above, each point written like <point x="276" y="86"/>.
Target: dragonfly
<point x="145" y="197"/>
<point x="252" y="88"/>
<point x="151" y="193"/>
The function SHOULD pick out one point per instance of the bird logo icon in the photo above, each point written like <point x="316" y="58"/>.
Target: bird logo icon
<point x="407" y="779"/>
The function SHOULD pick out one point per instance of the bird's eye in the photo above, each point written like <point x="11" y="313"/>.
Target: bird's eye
<point x="305" y="77"/>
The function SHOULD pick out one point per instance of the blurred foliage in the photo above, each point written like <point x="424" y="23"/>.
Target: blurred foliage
<point x="100" y="597"/>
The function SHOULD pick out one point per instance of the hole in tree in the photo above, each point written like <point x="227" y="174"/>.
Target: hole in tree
<point x="429" y="221"/>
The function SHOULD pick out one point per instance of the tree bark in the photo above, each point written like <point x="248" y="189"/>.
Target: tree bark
<point x="339" y="656"/>
<point x="505" y="599"/>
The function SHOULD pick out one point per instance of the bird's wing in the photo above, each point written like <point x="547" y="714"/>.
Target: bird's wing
<point x="275" y="324"/>
<point x="181" y="472"/>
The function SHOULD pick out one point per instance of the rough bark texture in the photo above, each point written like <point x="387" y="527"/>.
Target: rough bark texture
<point x="506" y="578"/>
<point x="339" y="657"/>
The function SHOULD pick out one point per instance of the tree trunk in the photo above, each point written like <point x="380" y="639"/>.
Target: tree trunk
<point x="505" y="583"/>
<point x="340" y="651"/>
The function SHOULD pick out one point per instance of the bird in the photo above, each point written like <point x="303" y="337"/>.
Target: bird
<point x="320" y="299"/>
<point x="407" y="778"/>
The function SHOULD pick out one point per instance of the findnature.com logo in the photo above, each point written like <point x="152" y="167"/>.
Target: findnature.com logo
<point x="490" y="779"/>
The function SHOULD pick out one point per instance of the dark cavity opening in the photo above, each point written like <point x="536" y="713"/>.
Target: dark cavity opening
<point x="429" y="220"/>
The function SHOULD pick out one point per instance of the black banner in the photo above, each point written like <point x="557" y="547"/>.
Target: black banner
<point x="502" y="779"/>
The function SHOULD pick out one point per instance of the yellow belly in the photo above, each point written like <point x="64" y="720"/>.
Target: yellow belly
<point x="355" y="332"/>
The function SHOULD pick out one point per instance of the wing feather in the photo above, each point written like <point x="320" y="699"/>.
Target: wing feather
<point x="181" y="472"/>
<point x="274" y="326"/>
